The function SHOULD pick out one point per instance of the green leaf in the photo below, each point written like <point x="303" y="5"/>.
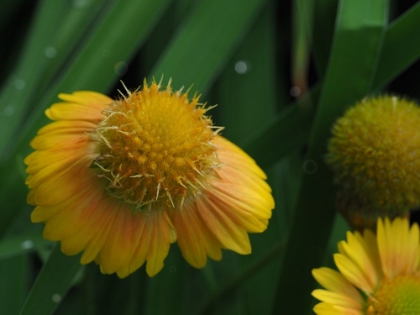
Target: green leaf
<point x="70" y="37"/>
<point x="301" y="43"/>
<point x="323" y="32"/>
<point x="23" y="82"/>
<point x="52" y="283"/>
<point x="350" y="73"/>
<point x="287" y="132"/>
<point x="174" y="276"/>
<point x="400" y="50"/>
<point x="108" y="294"/>
<point x="20" y="244"/>
<point x="266" y="260"/>
<point x="247" y="96"/>
<point x="14" y="275"/>
<point x="204" y="44"/>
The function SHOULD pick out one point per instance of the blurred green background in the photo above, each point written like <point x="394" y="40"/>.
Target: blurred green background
<point x="280" y="71"/>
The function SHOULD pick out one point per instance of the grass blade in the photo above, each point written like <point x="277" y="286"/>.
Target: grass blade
<point x="400" y="50"/>
<point x="356" y="48"/>
<point x="51" y="284"/>
<point x="212" y="42"/>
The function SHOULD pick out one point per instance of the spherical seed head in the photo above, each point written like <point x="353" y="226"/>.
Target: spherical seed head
<point x="155" y="147"/>
<point x="375" y="154"/>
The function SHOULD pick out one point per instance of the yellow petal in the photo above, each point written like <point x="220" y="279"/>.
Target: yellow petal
<point x="194" y="238"/>
<point x="335" y="282"/>
<point x="160" y="242"/>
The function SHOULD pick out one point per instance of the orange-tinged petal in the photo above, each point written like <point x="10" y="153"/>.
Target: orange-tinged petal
<point x="238" y="201"/>
<point x="102" y="229"/>
<point x="116" y="250"/>
<point x="226" y="231"/>
<point x="194" y="237"/>
<point x="231" y="152"/>
<point x="141" y="244"/>
<point x="241" y="208"/>
<point x="75" y="214"/>
<point x="57" y="188"/>
<point x="162" y="236"/>
<point x="91" y="222"/>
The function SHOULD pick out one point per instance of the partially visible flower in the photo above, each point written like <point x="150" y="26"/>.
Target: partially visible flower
<point x="121" y="180"/>
<point x="378" y="274"/>
<point x="375" y="156"/>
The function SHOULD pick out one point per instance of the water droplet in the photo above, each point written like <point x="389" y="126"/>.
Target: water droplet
<point x="19" y="84"/>
<point x="56" y="298"/>
<point x="8" y="111"/>
<point x="172" y="269"/>
<point x="105" y="52"/>
<point x="120" y="68"/>
<point x="50" y="52"/>
<point x="310" y="166"/>
<point x="28" y="244"/>
<point x="241" y="67"/>
<point x="295" y="91"/>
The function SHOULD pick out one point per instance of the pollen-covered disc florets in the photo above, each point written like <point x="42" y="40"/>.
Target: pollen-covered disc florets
<point x="155" y="146"/>
<point x="375" y="154"/>
<point x="399" y="295"/>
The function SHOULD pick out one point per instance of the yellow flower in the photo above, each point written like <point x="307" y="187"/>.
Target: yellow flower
<point x="375" y="155"/>
<point x="379" y="274"/>
<point x="122" y="180"/>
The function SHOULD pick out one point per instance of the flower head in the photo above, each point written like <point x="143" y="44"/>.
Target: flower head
<point x="122" y="179"/>
<point x="375" y="155"/>
<point x="378" y="274"/>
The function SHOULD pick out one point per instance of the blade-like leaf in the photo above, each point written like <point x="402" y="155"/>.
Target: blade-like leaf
<point x="22" y="82"/>
<point x="247" y="98"/>
<point x="51" y="284"/>
<point x="400" y="50"/>
<point x="14" y="275"/>
<point x="203" y="45"/>
<point x="20" y="244"/>
<point x="287" y="132"/>
<point x="356" y="48"/>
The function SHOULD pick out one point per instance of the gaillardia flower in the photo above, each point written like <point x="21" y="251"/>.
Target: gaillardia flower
<point x="122" y="179"/>
<point x="379" y="274"/>
<point x="375" y="155"/>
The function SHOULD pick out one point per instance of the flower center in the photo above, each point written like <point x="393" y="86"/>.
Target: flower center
<point x="155" y="146"/>
<point x="397" y="296"/>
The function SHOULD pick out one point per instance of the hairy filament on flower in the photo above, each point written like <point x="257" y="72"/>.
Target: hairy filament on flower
<point x="156" y="146"/>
